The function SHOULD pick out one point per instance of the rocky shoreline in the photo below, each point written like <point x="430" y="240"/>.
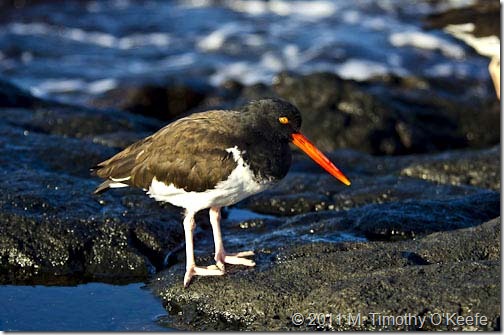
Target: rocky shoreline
<point x="446" y="272"/>
<point x="417" y="233"/>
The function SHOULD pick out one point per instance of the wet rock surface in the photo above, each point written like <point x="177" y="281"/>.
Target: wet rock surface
<point x="377" y="180"/>
<point x="164" y="102"/>
<point x="452" y="272"/>
<point x="53" y="230"/>
<point x="415" y="233"/>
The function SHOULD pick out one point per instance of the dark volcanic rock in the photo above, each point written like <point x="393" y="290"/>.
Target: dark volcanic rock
<point x="13" y="96"/>
<point x="51" y="224"/>
<point x="479" y="168"/>
<point x="458" y="276"/>
<point x="162" y="102"/>
<point x="392" y="220"/>
<point x="388" y="119"/>
<point x="351" y="118"/>
<point x="377" y="180"/>
<point x="413" y="217"/>
<point x="78" y="122"/>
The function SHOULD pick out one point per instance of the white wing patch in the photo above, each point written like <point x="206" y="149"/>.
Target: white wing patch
<point x="239" y="185"/>
<point x="117" y="185"/>
<point x="117" y="182"/>
<point x="120" y="179"/>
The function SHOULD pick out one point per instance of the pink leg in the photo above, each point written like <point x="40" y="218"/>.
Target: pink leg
<point x="191" y="268"/>
<point x="494" y="68"/>
<point x="221" y="256"/>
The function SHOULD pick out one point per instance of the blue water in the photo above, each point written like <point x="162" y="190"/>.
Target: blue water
<point x="74" y="50"/>
<point x="87" y="307"/>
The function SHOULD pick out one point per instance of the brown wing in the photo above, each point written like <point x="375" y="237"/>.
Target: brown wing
<point x="190" y="153"/>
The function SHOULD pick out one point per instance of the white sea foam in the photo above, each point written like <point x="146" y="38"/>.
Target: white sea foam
<point x="60" y="85"/>
<point x="426" y="41"/>
<point x="306" y="9"/>
<point x="253" y="40"/>
<point x="73" y="85"/>
<point x="197" y="3"/>
<point x="29" y="28"/>
<point x="272" y="61"/>
<point x="292" y="55"/>
<point x="264" y="70"/>
<point x="252" y="7"/>
<point x="245" y="72"/>
<point x="377" y="23"/>
<point x="216" y="39"/>
<point x="441" y="70"/>
<point x="100" y="86"/>
<point x="448" y="70"/>
<point x="302" y="9"/>
<point x="442" y="6"/>
<point x="91" y="37"/>
<point x="178" y="61"/>
<point x="352" y="17"/>
<point x="140" y="40"/>
<point x="361" y="69"/>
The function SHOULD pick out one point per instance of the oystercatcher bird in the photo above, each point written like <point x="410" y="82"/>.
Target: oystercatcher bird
<point x="214" y="159"/>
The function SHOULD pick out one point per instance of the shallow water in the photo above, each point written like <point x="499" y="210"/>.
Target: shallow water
<point x="78" y="49"/>
<point x="252" y="236"/>
<point x="87" y="307"/>
<point x="242" y="214"/>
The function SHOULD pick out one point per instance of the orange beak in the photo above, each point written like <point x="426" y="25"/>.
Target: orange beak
<point x="309" y="148"/>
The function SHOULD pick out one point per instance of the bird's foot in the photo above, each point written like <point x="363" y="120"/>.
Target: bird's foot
<point x="211" y="270"/>
<point x="236" y="258"/>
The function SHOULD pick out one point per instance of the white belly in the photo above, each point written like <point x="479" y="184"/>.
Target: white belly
<point x="239" y="185"/>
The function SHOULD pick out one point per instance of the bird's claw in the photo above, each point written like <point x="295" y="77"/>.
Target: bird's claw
<point x="236" y="259"/>
<point x="211" y="270"/>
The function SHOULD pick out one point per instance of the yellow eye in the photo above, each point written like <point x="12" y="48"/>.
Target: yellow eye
<point x="283" y="120"/>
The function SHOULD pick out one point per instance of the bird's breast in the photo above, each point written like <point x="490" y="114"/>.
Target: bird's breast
<point x="269" y="162"/>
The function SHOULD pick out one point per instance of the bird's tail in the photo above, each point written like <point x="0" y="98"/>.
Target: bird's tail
<point x="103" y="187"/>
